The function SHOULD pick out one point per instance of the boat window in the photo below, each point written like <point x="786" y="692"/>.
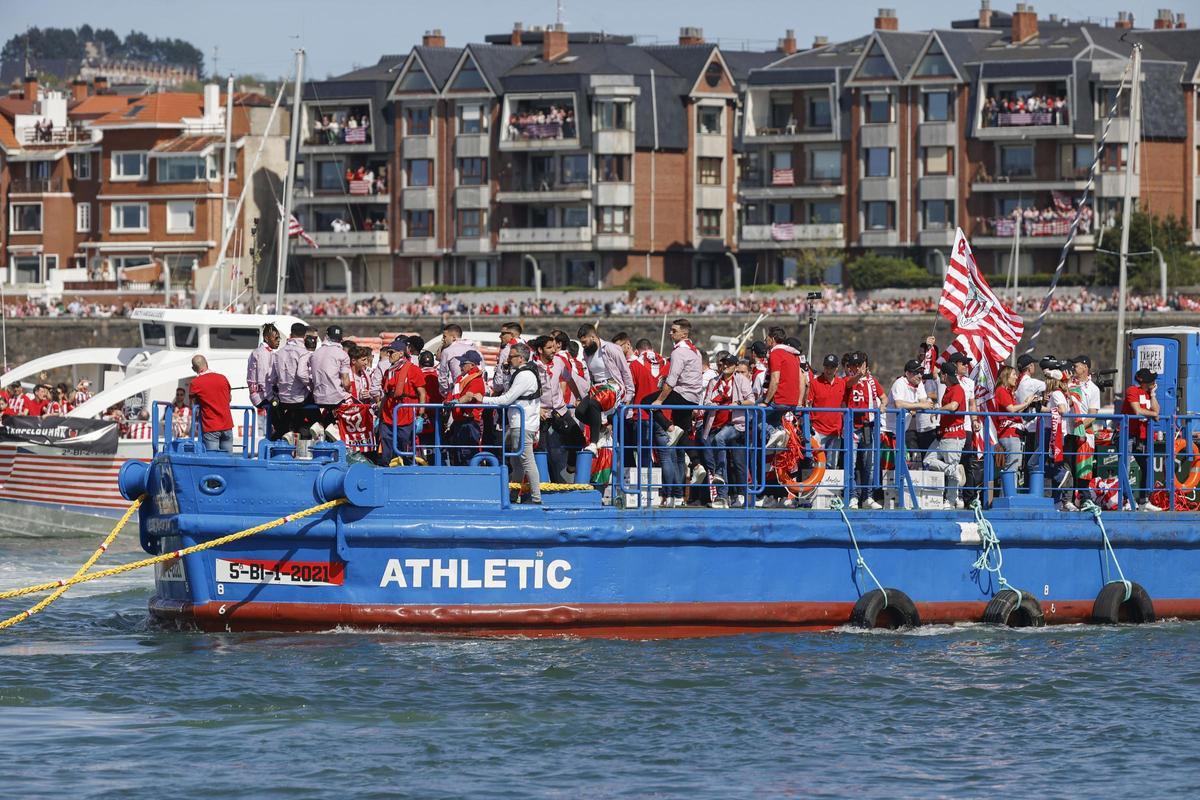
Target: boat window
<point x="233" y="338"/>
<point x="185" y="336"/>
<point x="154" y="334"/>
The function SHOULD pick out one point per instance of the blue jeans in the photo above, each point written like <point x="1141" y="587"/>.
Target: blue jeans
<point x="404" y="442"/>
<point x="864" y="462"/>
<point x="728" y="455"/>
<point x="671" y="461"/>
<point x="219" y="440"/>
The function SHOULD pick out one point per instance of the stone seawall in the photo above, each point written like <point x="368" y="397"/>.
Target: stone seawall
<point x="889" y="339"/>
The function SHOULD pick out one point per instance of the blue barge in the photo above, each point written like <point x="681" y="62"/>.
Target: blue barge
<point x="442" y="549"/>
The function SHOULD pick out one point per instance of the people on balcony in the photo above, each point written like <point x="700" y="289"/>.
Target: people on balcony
<point x="553" y="122"/>
<point x="1031" y="110"/>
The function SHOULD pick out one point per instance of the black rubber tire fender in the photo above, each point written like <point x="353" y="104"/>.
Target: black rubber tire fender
<point x="871" y="612"/>
<point x="1112" y="608"/>
<point x="1004" y="609"/>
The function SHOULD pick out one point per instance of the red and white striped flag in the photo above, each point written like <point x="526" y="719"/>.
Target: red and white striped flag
<point x="971" y="306"/>
<point x="783" y="177"/>
<point x="296" y="229"/>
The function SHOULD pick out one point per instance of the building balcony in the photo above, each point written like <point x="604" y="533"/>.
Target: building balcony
<point x="999" y="232"/>
<point x="613" y="142"/>
<point x="550" y="136"/>
<point x="614" y="241"/>
<point x="1024" y="184"/>
<point x="418" y="198"/>
<point x="36" y="186"/>
<point x="470" y="145"/>
<point x="879" y="238"/>
<point x="326" y="139"/>
<point x="66" y="135"/>
<point x="1112" y="184"/>
<point x="473" y="196"/>
<point x="1039" y="125"/>
<point x="613" y="194"/>
<point x="424" y="245"/>
<point x="535" y="192"/>
<point x="755" y="190"/>
<point x="788" y="135"/>
<point x="936" y="237"/>
<point x="473" y="245"/>
<point x="788" y="236"/>
<point x="544" y="239"/>
<point x="308" y="196"/>
<point x="418" y="147"/>
<point x="341" y="243"/>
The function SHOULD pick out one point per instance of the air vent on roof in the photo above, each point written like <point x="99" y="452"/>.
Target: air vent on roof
<point x="997" y="44"/>
<point x="567" y="59"/>
<point x="133" y="112"/>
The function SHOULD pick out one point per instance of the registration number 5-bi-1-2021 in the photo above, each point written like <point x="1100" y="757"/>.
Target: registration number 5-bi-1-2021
<point x="288" y="573"/>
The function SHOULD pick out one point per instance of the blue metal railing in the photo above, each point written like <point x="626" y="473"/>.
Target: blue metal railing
<point x="442" y="413"/>
<point x="162" y="429"/>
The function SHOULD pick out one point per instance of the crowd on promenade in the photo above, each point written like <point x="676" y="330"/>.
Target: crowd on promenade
<point x="832" y="301"/>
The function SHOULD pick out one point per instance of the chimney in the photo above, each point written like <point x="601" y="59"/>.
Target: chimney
<point x="433" y="38"/>
<point x="31" y="87"/>
<point x="1124" y="20"/>
<point x="886" y="20"/>
<point x="788" y="43"/>
<point x="554" y="42"/>
<point x="1164" y="20"/>
<point x="1024" y="23"/>
<point x="691" y="36"/>
<point x="212" y="101"/>
<point x="1180" y="23"/>
<point x="518" y="29"/>
<point x="79" y="90"/>
<point x="985" y="13"/>
<point x="100" y="84"/>
<point x="820" y="41"/>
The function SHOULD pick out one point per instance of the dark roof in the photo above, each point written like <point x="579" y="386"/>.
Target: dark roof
<point x="741" y="62"/>
<point x="439" y="61"/>
<point x="1178" y="44"/>
<point x="837" y="54"/>
<point x="961" y="46"/>
<point x="1163" y="113"/>
<point x="903" y="47"/>
<point x="795" y="77"/>
<point x="383" y="70"/>
<point x="573" y="37"/>
<point x="1000" y="19"/>
<point x="495" y="60"/>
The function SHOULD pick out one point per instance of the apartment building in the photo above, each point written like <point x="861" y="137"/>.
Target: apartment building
<point x="580" y="159"/>
<point x="891" y="140"/>
<point x="105" y="192"/>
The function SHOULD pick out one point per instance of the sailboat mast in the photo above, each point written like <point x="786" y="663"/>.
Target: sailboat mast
<point x="1133" y="151"/>
<point x="289" y="184"/>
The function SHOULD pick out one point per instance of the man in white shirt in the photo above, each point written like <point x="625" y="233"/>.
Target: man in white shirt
<point x="524" y="392"/>
<point x="907" y="395"/>
<point x="1029" y="387"/>
<point x="1089" y="395"/>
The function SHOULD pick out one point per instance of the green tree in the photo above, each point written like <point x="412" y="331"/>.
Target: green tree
<point x="873" y="271"/>
<point x="1169" y="234"/>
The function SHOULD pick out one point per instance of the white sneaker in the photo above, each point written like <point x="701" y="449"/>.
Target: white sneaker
<point x="720" y="503"/>
<point x="959" y="504"/>
<point x="674" y="434"/>
<point x="854" y="503"/>
<point x="1069" y="506"/>
<point x="737" y="501"/>
<point x="766" y="502"/>
<point x="871" y="504"/>
<point x="778" y="439"/>
<point x="318" y="431"/>
<point x="1149" y="507"/>
<point x="699" y="475"/>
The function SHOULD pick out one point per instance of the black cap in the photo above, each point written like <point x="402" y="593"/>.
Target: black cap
<point x="334" y="333"/>
<point x="1085" y="360"/>
<point x="831" y="360"/>
<point x="471" y="356"/>
<point x="1025" y="360"/>
<point x="960" y="358"/>
<point x="399" y="344"/>
<point x="425" y="359"/>
<point x="854" y="359"/>
<point x="913" y="366"/>
<point x="1146" y="376"/>
<point x="1048" y="362"/>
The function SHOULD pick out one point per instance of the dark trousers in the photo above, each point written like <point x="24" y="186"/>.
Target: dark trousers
<point x="404" y="442"/>
<point x="292" y="417"/>
<point x="1137" y="450"/>
<point x="550" y="442"/>
<point x="589" y="413"/>
<point x="464" y="439"/>
<point x="680" y="417"/>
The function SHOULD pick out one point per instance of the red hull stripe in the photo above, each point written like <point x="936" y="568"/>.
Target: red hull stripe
<point x="635" y="620"/>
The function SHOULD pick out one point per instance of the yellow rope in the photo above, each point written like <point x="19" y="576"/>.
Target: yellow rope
<point x="557" y="487"/>
<point x="148" y="562"/>
<point x="63" y="586"/>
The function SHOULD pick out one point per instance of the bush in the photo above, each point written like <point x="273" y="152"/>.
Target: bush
<point x="642" y="283"/>
<point x="873" y="271"/>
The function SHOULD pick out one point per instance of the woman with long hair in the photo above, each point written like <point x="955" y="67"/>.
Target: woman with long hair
<point x="946" y="455"/>
<point x="1058" y="476"/>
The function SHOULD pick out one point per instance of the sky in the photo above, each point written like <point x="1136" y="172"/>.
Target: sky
<point x="260" y="36"/>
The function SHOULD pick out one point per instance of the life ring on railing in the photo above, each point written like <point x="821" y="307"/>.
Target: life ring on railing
<point x="1193" y="477"/>
<point x="1004" y="609"/>
<point x="812" y="480"/>
<point x="875" y="610"/>
<point x="1111" y="607"/>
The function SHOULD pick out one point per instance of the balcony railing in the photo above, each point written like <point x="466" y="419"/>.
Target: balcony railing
<point x="338" y="136"/>
<point x="373" y="238"/>
<point x="545" y="235"/>
<point x="786" y="232"/>
<point x="70" y="134"/>
<point x="36" y="185"/>
<point x="996" y="117"/>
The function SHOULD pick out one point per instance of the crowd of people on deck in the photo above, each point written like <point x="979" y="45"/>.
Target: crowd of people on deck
<point x="43" y="399"/>
<point x="1050" y="110"/>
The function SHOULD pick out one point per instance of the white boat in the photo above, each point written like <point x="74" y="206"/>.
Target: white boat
<point x="45" y="492"/>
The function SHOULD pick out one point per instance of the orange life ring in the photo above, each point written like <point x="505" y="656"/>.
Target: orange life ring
<point x="812" y="481"/>
<point x="1193" y="477"/>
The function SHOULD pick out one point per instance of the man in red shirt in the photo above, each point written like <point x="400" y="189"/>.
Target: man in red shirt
<point x="210" y="390"/>
<point x="828" y="390"/>
<point x="403" y="384"/>
<point x="952" y="433"/>
<point x="786" y="383"/>
<point x="1140" y="405"/>
<point x="863" y="392"/>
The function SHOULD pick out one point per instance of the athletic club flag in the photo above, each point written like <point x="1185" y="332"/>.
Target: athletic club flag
<point x="973" y="308"/>
<point x="296" y="229"/>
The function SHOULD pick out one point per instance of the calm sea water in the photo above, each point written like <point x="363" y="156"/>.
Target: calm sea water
<point x="97" y="702"/>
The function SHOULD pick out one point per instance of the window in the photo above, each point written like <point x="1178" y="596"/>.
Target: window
<point x="330" y="176"/>
<point x="708" y="119"/>
<point x="709" y="171"/>
<point x="417" y="119"/>
<point x="471" y="119"/>
<point x="129" y="217"/>
<point x="27" y="269"/>
<point x="879" y="215"/>
<point x="878" y="108"/>
<point x="420" y="171"/>
<point x="185" y="168"/>
<point x="472" y="171"/>
<point x="575" y="168"/>
<point x="83" y="217"/>
<point x="1016" y="161"/>
<point x="781" y="112"/>
<point x="575" y="217"/>
<point x="1108" y="96"/>
<point x="819" y="116"/>
<point x="937" y="160"/>
<point x="470" y="223"/>
<point x="181" y="216"/>
<point x="875" y="65"/>
<point x="612" y="115"/>
<point x="825" y="165"/>
<point x="781" y="159"/>
<point x="468" y="79"/>
<point x="541" y="217"/>
<point x="824" y="212"/>
<point x="1005" y="206"/>
<point x="781" y="213"/>
<point x="934" y="64"/>
<point x="612" y="169"/>
<point x="154" y="334"/>
<point x="81" y="165"/>
<point x="25" y="218"/>
<point x="39" y="170"/>
<point x="614" y="219"/>
<point x="708" y="222"/>
<point x="419" y="224"/>
<point x="128" y="166"/>
<point x="1076" y="160"/>
<point x="937" y="106"/>
<point x="879" y="162"/>
<point x="415" y="80"/>
<point x="233" y="338"/>
<point x="937" y="215"/>
<point x="185" y="336"/>
<point x="1112" y="157"/>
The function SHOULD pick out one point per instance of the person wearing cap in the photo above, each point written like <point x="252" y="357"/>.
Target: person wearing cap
<point x="828" y="390"/>
<point x="1030" y="393"/>
<point x="291" y="375"/>
<point x="331" y="374"/>
<point x="1085" y="397"/>
<point x="972" y="459"/>
<point x="403" y="385"/>
<point x="946" y="456"/>
<point x="724" y="432"/>
<point x="258" y="377"/>
<point x="453" y="346"/>
<point x="389" y="354"/>
<point x="1141" y="404"/>
<point x="1058" y="476"/>
<point x="907" y="395"/>
<point x="464" y="436"/>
